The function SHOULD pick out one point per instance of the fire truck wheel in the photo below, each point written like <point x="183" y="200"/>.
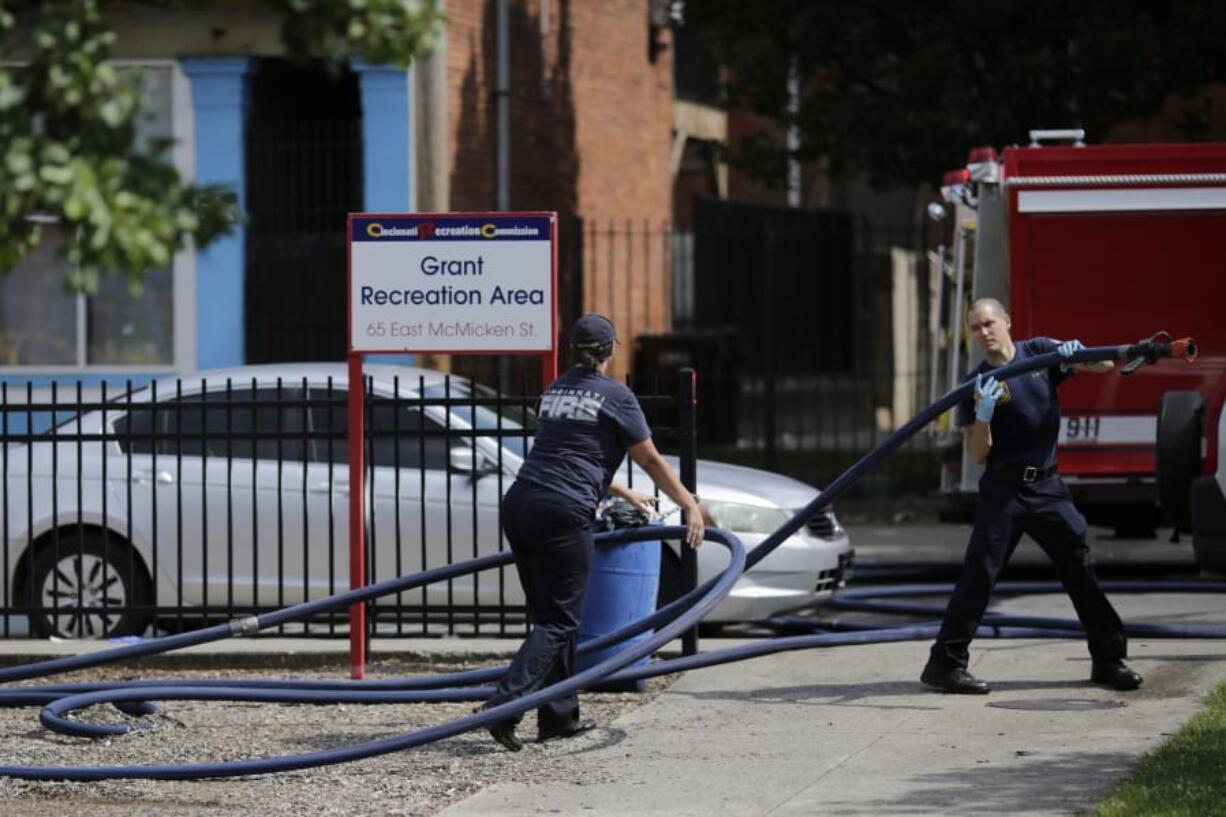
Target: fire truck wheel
<point x="1209" y="525"/>
<point x="1179" y="427"/>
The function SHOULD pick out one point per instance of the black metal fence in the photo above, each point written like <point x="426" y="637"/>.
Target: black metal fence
<point x="189" y="502"/>
<point x="811" y="333"/>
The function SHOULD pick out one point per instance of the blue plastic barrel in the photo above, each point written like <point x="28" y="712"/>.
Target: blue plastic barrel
<point x="622" y="589"/>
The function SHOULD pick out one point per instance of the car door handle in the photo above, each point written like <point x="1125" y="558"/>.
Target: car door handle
<point x="334" y="487"/>
<point x="145" y="477"/>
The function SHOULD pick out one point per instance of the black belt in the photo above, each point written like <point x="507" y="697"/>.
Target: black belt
<point x="1023" y="473"/>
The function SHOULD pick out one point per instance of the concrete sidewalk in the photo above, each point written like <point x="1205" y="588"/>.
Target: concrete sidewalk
<point x="850" y="731"/>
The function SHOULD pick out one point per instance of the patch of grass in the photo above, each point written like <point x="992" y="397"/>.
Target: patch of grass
<point x="1184" y="776"/>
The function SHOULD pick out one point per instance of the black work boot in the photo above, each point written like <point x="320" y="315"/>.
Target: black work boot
<point x="503" y="732"/>
<point x="953" y="679"/>
<point x="1116" y="675"/>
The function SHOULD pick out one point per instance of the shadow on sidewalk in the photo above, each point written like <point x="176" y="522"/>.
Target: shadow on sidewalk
<point x="853" y="694"/>
<point x="862" y="694"/>
<point x="1023" y="782"/>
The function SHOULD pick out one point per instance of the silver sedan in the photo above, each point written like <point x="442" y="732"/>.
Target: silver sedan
<point x="234" y="492"/>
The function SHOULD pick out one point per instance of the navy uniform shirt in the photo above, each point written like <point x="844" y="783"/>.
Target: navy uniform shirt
<point x="585" y="423"/>
<point x="1026" y="424"/>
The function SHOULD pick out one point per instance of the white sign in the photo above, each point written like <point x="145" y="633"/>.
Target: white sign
<point x="452" y="283"/>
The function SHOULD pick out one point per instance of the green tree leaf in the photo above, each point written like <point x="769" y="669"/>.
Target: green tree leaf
<point x="68" y="137"/>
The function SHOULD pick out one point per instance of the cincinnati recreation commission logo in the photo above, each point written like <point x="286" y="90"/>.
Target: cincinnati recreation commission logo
<point x="429" y="230"/>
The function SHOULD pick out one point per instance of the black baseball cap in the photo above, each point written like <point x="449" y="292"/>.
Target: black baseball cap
<point x="592" y="331"/>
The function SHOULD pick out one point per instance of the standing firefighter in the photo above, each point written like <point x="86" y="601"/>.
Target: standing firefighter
<point x="587" y="422"/>
<point x="1014" y="426"/>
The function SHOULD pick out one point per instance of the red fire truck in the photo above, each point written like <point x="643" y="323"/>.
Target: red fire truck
<point x="1107" y="244"/>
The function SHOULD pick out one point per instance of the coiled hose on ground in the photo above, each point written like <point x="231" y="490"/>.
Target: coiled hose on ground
<point x="669" y="621"/>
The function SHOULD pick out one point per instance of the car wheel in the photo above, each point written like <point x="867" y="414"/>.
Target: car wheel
<point x="1179" y="422"/>
<point x="99" y="573"/>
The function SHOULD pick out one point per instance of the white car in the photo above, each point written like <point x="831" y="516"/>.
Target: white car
<point x="166" y="507"/>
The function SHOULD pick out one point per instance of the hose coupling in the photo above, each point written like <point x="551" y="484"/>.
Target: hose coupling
<point x="246" y="626"/>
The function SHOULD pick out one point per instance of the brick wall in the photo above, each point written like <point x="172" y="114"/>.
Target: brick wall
<point x="591" y="129"/>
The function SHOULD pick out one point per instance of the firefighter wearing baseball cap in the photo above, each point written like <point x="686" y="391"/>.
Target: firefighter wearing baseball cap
<point x="586" y="424"/>
<point x="1014" y="426"/>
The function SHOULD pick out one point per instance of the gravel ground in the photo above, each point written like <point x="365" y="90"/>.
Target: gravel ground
<point x="419" y="781"/>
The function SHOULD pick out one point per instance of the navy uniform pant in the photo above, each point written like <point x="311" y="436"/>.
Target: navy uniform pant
<point x="551" y="538"/>
<point x="1043" y="509"/>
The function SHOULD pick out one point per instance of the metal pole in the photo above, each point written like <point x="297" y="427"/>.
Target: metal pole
<point x="549" y="362"/>
<point x="502" y="104"/>
<point x="357" y="519"/>
<point x="549" y="368"/>
<point x="687" y="426"/>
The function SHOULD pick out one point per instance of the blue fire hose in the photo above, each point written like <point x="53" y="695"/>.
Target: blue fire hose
<point x="714" y="592"/>
<point x="669" y="621"/>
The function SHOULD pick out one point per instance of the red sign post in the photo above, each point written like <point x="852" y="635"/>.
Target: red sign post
<point x="441" y="283"/>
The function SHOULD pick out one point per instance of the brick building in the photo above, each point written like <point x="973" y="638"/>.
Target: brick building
<point x="590" y="109"/>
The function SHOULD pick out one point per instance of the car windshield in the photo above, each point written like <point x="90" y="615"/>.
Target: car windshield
<point x="514" y="417"/>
